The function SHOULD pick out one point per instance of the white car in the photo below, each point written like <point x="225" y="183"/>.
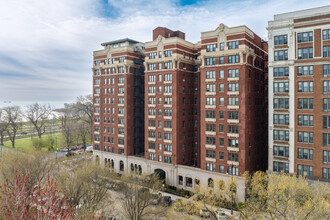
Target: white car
<point x="89" y="148"/>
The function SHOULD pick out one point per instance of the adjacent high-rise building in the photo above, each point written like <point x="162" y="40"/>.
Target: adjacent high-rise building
<point x="299" y="86"/>
<point x="118" y="83"/>
<point x="233" y="119"/>
<point x="171" y="98"/>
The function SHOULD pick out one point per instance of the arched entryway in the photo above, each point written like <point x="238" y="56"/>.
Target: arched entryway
<point x="161" y="173"/>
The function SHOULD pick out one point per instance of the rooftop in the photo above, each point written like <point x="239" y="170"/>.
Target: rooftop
<point x="304" y="13"/>
<point x="119" y="41"/>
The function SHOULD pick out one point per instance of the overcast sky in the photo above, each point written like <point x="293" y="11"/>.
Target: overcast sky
<point x="46" y="45"/>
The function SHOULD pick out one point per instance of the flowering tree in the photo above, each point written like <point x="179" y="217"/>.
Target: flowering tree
<point x="44" y="202"/>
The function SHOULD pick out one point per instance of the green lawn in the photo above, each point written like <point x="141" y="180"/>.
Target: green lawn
<point x="26" y="143"/>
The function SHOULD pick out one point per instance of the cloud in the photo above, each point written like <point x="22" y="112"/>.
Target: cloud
<point x="46" y="45"/>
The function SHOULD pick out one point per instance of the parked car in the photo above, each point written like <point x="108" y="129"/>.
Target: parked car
<point x="23" y="132"/>
<point x="69" y="153"/>
<point x="64" y="149"/>
<point x="89" y="148"/>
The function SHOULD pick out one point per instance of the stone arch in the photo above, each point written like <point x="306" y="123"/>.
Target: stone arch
<point x="210" y="183"/>
<point x="161" y="173"/>
<point x="121" y="165"/>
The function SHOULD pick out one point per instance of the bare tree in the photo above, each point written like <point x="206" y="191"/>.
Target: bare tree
<point x="68" y="125"/>
<point x="83" y="109"/>
<point x="13" y="116"/>
<point x="38" y="115"/>
<point x="83" y="130"/>
<point x="3" y="126"/>
<point x="138" y="195"/>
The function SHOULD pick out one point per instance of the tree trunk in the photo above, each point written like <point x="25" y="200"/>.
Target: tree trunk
<point x="1" y="139"/>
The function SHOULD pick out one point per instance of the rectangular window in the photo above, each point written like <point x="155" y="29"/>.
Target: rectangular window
<point x="326" y="34"/>
<point x="326" y="171"/>
<point x="281" y="39"/>
<point x="168" y="77"/>
<point x="222" y="46"/>
<point x="222" y="114"/>
<point x="232" y="171"/>
<point x="221" y="155"/>
<point x="233" y="101"/>
<point x="281" y="71"/>
<point x="326" y="156"/>
<point x="167" y="159"/>
<point x="152" y="146"/>
<point x="233" y="157"/>
<point x="232" y="87"/>
<point x="168" y="147"/>
<point x="280" y="151"/>
<point x="281" y="87"/>
<point x="210" y="127"/>
<point x="233" y="59"/>
<point x="233" y="129"/>
<point x="168" y="53"/>
<point x="233" y="44"/>
<point x="221" y="59"/>
<point x="211" y="47"/>
<point x="210" y="101"/>
<point x="210" y="153"/>
<point x="281" y="135"/>
<point x="306" y="86"/>
<point x="305" y="37"/>
<point x="280" y="166"/>
<point x="151" y="78"/>
<point x="305" y="120"/>
<point x="210" y="74"/>
<point x="121" y="59"/>
<point x="305" y="170"/>
<point x="152" y="55"/>
<point x="326" y="51"/>
<point x="306" y="103"/>
<point x="168" y="136"/>
<point x="210" y="87"/>
<point x="280" y="55"/>
<point x="305" y="154"/>
<point x="210" y="167"/>
<point x="326" y="122"/>
<point x="232" y="114"/>
<point x="167" y="112"/>
<point x="210" y="61"/>
<point x="152" y="66"/>
<point x="210" y="140"/>
<point x="305" y="137"/>
<point x="305" y="53"/>
<point x="305" y="70"/>
<point x="221" y="101"/>
<point x="232" y="143"/>
<point x="281" y="119"/>
<point x="210" y="114"/>
<point x="221" y="87"/>
<point x="281" y="103"/>
<point x="168" y="65"/>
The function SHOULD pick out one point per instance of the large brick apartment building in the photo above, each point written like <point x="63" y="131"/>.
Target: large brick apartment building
<point x="189" y="111"/>
<point x="299" y="67"/>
